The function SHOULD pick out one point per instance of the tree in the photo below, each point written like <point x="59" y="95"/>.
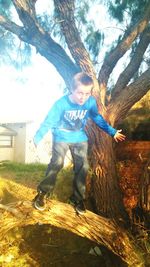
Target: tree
<point x="113" y="104"/>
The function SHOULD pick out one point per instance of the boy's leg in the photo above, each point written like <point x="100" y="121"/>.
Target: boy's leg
<point x="47" y="185"/>
<point x="79" y="154"/>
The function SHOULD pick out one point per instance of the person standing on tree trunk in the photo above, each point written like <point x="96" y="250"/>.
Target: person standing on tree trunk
<point x="67" y="119"/>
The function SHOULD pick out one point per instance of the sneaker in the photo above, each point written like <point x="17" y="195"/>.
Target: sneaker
<point x="38" y="201"/>
<point x="80" y="207"/>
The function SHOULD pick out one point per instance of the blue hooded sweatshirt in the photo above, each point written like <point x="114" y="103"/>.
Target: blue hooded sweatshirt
<point x="67" y="121"/>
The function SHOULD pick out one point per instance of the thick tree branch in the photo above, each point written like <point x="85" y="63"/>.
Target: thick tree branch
<point x="120" y="105"/>
<point x="65" y="12"/>
<point x="113" y="57"/>
<point x="65" y="15"/>
<point x="11" y="26"/>
<point x="33" y="34"/>
<point x="91" y="226"/>
<point x="25" y="8"/>
<point x="134" y="64"/>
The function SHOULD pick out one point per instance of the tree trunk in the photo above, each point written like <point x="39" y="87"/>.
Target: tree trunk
<point x="91" y="226"/>
<point x="105" y="191"/>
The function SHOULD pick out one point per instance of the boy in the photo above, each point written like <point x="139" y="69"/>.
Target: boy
<point x="67" y="119"/>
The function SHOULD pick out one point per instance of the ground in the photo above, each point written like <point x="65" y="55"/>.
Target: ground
<point x="40" y="245"/>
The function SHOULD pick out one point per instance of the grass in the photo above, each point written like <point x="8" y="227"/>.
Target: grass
<point x="20" y="167"/>
<point x="27" y="174"/>
<point x="30" y="175"/>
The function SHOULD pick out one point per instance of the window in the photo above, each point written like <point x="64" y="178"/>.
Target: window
<point x="6" y="141"/>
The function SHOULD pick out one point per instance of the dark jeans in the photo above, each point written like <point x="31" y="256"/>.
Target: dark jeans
<point x="80" y="167"/>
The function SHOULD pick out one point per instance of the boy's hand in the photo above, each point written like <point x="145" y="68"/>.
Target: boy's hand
<point x="119" y="136"/>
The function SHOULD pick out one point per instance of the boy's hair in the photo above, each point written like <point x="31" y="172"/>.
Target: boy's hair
<point x="81" y="78"/>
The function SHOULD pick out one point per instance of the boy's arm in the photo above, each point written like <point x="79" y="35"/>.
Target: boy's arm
<point x="101" y="123"/>
<point x="44" y="128"/>
<point x="50" y="122"/>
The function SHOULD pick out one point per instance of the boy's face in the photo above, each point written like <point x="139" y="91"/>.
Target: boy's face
<point x="81" y="94"/>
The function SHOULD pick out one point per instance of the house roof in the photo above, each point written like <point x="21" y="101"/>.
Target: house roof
<point x="10" y="120"/>
<point x="4" y="130"/>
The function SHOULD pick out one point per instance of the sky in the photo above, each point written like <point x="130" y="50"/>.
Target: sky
<point x="43" y="85"/>
<point x="31" y="100"/>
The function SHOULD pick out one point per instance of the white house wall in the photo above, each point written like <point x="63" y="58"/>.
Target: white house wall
<point x="23" y="149"/>
<point x="7" y="153"/>
<point x="20" y="143"/>
<point x="41" y="153"/>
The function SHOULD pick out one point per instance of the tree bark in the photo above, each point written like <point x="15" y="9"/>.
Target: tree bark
<point x="122" y="103"/>
<point x="91" y="226"/>
<point x="105" y="191"/>
<point x="65" y="12"/>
